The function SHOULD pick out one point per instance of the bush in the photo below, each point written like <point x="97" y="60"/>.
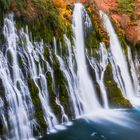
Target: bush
<point x="126" y="6"/>
<point x="5" y="4"/>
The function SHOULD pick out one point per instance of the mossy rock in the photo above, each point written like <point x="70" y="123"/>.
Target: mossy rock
<point x="92" y="43"/>
<point x="61" y="86"/>
<point x="115" y="96"/>
<point x="47" y="54"/>
<point x="122" y="40"/>
<point x="99" y="94"/>
<point x="2" y="38"/>
<point x="61" y="90"/>
<point x="97" y="24"/>
<point x="95" y="34"/>
<point x="52" y="97"/>
<point x="56" y="64"/>
<point x="3" y="130"/>
<point x="5" y="5"/>
<point x="42" y="128"/>
<point x="116" y="100"/>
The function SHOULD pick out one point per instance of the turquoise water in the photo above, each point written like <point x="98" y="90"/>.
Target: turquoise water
<point x="110" y="125"/>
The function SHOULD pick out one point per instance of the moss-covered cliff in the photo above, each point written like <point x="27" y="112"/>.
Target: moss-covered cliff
<point x="115" y="96"/>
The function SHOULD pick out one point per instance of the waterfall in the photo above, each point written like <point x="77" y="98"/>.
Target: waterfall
<point x="119" y="63"/>
<point x="133" y="72"/>
<point x="87" y="92"/>
<point x="33" y="53"/>
<point x="99" y="68"/>
<point x="20" y="108"/>
<point x="137" y="73"/>
<point x="34" y="101"/>
<point x="64" y="116"/>
<point x="16" y="90"/>
<point x="71" y="77"/>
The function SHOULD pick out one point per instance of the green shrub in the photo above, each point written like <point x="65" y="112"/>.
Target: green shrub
<point x="126" y="6"/>
<point x="5" y="4"/>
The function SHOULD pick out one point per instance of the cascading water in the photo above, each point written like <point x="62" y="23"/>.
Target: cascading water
<point x="133" y="72"/>
<point x="119" y="62"/>
<point x="16" y="90"/>
<point x="33" y="54"/>
<point x="64" y="116"/>
<point x="23" y="53"/>
<point x="22" y="60"/>
<point x="68" y="71"/>
<point x="20" y="106"/>
<point x="137" y="67"/>
<point x="87" y="92"/>
<point x="74" y="80"/>
<point x="99" y="67"/>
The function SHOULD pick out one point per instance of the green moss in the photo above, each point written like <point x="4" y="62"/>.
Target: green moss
<point x="135" y="51"/>
<point x="43" y="18"/>
<point x="115" y="97"/>
<point x="45" y="23"/>
<point x="96" y="33"/>
<point x="98" y="26"/>
<point x="99" y="94"/>
<point x="5" y="4"/>
<point x="38" y="106"/>
<point x="22" y="5"/>
<point x="20" y="61"/>
<point x="3" y="130"/>
<point x="56" y="64"/>
<point x="122" y="40"/>
<point x="61" y="88"/>
<point x="60" y="84"/>
<point x="46" y="54"/>
<point x="44" y="66"/>
<point x="92" y="43"/>
<point x="52" y="97"/>
<point x="126" y="6"/>
<point x="39" y="29"/>
<point x="2" y="38"/>
<point x="63" y="46"/>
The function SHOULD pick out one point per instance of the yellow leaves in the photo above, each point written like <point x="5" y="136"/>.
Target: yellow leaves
<point x="89" y="9"/>
<point x="65" y="14"/>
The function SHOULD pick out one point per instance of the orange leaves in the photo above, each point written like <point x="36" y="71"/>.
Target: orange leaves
<point x="62" y="6"/>
<point x="60" y="3"/>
